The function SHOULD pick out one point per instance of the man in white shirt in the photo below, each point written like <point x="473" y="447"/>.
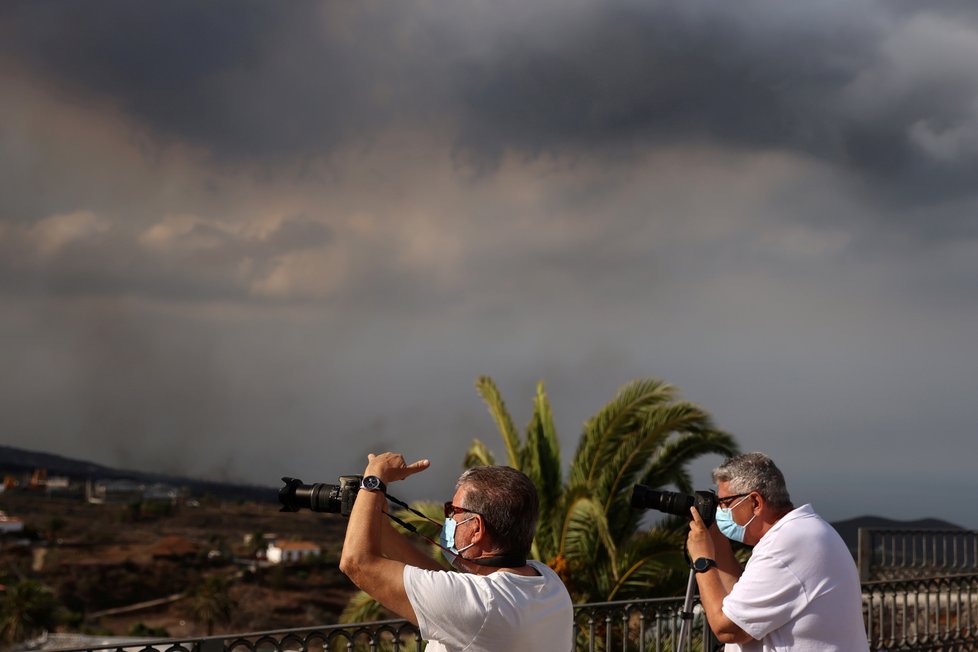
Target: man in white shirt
<point x="800" y="589"/>
<point x="499" y="600"/>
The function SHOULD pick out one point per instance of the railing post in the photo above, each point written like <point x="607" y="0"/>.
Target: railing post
<point x="864" y="560"/>
<point x="211" y="645"/>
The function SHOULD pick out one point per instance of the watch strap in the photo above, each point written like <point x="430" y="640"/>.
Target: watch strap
<point x="373" y="483"/>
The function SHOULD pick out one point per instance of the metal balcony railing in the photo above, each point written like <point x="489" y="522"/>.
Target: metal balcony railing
<point x="926" y="614"/>
<point x="894" y="553"/>
<point x="939" y="613"/>
<point x="647" y="625"/>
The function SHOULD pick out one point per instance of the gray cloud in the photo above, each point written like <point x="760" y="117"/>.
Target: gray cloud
<point x="255" y="239"/>
<point x="865" y="85"/>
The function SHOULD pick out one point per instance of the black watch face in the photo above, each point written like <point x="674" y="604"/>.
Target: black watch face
<point x="702" y="564"/>
<point x="371" y="482"/>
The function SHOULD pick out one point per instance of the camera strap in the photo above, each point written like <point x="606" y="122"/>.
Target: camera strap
<point x="500" y="561"/>
<point x="504" y="560"/>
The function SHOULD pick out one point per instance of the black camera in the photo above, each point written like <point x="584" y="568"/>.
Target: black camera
<point x="320" y="497"/>
<point x="675" y="503"/>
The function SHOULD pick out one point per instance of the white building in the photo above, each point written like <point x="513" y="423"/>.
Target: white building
<point x="283" y="552"/>
<point x="9" y="524"/>
<point x="114" y="492"/>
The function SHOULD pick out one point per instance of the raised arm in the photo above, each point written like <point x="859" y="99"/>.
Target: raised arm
<point x="364" y="559"/>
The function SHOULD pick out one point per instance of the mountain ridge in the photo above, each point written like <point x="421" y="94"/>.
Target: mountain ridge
<point x="20" y="460"/>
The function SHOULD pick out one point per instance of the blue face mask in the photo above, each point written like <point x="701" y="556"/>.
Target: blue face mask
<point x="728" y="526"/>
<point x="447" y="539"/>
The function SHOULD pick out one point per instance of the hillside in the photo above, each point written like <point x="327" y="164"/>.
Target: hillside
<point x="99" y="558"/>
<point x="849" y="528"/>
<point x="19" y="461"/>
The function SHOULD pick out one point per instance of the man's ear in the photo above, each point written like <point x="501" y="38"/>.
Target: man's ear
<point x="758" y="500"/>
<point x="480" y="529"/>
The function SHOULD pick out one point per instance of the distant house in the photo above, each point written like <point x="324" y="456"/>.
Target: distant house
<point x="115" y="491"/>
<point x="9" y="524"/>
<point x="161" y="493"/>
<point x="128" y="492"/>
<point x="283" y="552"/>
<point x="58" y="484"/>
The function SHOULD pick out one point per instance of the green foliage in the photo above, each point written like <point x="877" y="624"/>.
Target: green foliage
<point x="56" y="525"/>
<point x="211" y="602"/>
<point x="143" y="630"/>
<point x="362" y="609"/>
<point x="27" y="609"/>
<point x="588" y="531"/>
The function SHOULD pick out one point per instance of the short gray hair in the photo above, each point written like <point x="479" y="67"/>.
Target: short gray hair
<point x="754" y="472"/>
<point x="507" y="501"/>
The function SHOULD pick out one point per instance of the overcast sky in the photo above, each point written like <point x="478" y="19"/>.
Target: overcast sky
<point x="241" y="240"/>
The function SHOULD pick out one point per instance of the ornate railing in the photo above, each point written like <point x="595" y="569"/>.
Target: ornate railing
<point x="652" y="625"/>
<point x="939" y="613"/>
<point x="936" y="614"/>
<point x="648" y="625"/>
<point x="894" y="553"/>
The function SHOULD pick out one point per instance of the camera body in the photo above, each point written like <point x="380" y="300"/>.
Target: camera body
<point x="320" y="497"/>
<point x="678" y="504"/>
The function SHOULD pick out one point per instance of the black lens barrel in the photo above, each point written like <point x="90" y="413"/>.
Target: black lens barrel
<point x="674" y="503"/>
<point x="318" y="497"/>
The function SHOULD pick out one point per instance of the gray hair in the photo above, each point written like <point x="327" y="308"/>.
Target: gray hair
<point x="754" y="472"/>
<point x="507" y="501"/>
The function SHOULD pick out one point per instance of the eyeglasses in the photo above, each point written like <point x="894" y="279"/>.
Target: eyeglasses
<point x="726" y="500"/>
<point x="451" y="510"/>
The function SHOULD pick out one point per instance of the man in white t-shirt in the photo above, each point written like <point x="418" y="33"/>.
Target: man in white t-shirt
<point x="800" y="589"/>
<point x="499" y="601"/>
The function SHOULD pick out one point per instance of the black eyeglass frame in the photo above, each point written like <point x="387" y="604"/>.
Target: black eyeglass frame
<point x="451" y="510"/>
<point x="726" y="500"/>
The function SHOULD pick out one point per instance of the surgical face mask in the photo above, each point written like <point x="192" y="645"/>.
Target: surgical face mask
<point x="728" y="526"/>
<point x="447" y="539"/>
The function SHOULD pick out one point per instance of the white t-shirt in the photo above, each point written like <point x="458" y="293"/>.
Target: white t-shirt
<point x="501" y="612"/>
<point x="800" y="590"/>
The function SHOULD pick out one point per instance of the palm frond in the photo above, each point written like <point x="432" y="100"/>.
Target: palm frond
<point x="633" y="455"/>
<point x="669" y="464"/>
<point x="541" y="455"/>
<point x="650" y="564"/>
<point x="425" y="527"/>
<point x="585" y="531"/>
<point x="684" y="420"/>
<point x="588" y="531"/>
<point x="497" y="409"/>
<point x="362" y="609"/>
<point x="478" y="455"/>
<point x="615" y="422"/>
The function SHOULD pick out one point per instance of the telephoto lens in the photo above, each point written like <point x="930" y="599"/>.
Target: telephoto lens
<point x="320" y="497"/>
<point x="675" y="503"/>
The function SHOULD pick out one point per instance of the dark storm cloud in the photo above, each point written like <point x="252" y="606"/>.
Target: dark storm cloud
<point x="653" y="71"/>
<point x="750" y="75"/>
<point x="256" y="79"/>
<point x="244" y="79"/>
<point x="229" y="224"/>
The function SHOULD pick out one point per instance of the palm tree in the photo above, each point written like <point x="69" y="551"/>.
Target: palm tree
<point x="588" y="531"/>
<point x="211" y="602"/>
<point x="27" y="608"/>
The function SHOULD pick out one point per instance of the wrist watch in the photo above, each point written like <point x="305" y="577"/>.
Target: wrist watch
<point x="373" y="483"/>
<point x="703" y="564"/>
